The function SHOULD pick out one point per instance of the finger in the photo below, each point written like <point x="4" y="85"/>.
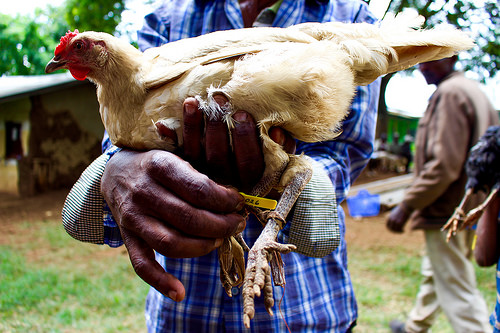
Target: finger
<point x="186" y="218"/>
<point x="170" y="242"/>
<point x="147" y="268"/>
<point x="217" y="147"/>
<point x="394" y="227"/>
<point x="196" y="188"/>
<point x="247" y="150"/>
<point x="283" y="138"/>
<point x="192" y="130"/>
<point x="166" y="132"/>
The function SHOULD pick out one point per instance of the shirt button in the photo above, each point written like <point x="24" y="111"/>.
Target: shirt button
<point x="235" y="291"/>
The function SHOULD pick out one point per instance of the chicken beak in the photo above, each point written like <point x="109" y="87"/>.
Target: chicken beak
<point x="55" y="64"/>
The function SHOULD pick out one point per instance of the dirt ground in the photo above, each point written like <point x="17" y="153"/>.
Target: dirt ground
<point x="15" y="210"/>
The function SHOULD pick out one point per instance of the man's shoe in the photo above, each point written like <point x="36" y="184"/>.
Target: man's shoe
<point x="397" y="326"/>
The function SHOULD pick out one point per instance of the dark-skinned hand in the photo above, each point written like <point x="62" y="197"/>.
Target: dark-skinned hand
<point x="161" y="203"/>
<point x="398" y="217"/>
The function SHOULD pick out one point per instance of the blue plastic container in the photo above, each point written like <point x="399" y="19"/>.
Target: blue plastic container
<point x="364" y="204"/>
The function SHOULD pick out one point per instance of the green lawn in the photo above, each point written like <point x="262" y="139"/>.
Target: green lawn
<point x="50" y="282"/>
<point x="386" y="281"/>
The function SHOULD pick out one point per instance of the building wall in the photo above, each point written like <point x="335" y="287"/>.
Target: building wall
<point x="61" y="135"/>
<point x="17" y="111"/>
<point x="401" y="125"/>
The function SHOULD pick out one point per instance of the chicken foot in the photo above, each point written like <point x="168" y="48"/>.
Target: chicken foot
<point x="453" y="223"/>
<point x="460" y="220"/>
<point x="477" y="212"/>
<point x="231" y="264"/>
<point x="266" y="251"/>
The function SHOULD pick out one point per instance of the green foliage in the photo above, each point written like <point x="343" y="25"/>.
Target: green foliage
<point x="102" y="15"/>
<point x="25" y="48"/>
<point x="28" y="42"/>
<point x="478" y="17"/>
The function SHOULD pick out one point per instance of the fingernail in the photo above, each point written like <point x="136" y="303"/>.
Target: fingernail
<point x="172" y="295"/>
<point x="189" y="108"/>
<point x="241" y="226"/>
<point x="220" y="99"/>
<point x="240" y="116"/>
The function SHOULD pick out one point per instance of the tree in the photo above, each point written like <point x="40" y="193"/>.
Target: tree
<point x="102" y="15"/>
<point x="480" y="18"/>
<point x="25" y="49"/>
<point x="28" y="42"/>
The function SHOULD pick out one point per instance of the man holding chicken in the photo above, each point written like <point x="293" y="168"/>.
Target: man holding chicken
<point x="149" y="196"/>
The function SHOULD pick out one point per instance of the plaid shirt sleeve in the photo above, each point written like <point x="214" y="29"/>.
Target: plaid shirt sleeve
<point x="314" y="225"/>
<point x="85" y="215"/>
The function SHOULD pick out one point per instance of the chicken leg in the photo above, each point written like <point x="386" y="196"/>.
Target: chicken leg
<point x="264" y="256"/>
<point x="460" y="220"/>
<point x="454" y="222"/>
<point x="476" y="213"/>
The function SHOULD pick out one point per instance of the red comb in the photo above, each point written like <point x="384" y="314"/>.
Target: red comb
<point x="65" y="40"/>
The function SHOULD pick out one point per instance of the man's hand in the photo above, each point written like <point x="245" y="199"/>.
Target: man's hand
<point x="163" y="204"/>
<point x="241" y="167"/>
<point x="398" y="217"/>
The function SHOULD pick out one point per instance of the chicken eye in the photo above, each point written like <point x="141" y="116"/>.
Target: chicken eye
<point x="78" y="45"/>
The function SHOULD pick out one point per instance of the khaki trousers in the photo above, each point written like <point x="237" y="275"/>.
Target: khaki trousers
<point x="449" y="285"/>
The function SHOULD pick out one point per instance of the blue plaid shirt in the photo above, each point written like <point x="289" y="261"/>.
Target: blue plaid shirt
<point x="318" y="295"/>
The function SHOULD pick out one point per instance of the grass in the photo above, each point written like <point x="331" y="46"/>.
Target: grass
<point x="52" y="283"/>
<point x="386" y="282"/>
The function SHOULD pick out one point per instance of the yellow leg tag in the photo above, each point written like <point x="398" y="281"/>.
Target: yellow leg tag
<point x="259" y="202"/>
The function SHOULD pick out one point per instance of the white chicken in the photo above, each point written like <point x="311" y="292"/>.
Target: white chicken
<point x="300" y="78"/>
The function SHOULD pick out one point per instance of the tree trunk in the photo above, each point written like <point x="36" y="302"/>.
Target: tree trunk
<point x="382" y="115"/>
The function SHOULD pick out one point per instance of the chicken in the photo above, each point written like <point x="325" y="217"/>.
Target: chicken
<point x="300" y="78"/>
<point x="483" y="174"/>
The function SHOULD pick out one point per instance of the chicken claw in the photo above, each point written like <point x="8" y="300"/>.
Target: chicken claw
<point x="258" y="272"/>
<point x="476" y="213"/>
<point x="453" y="224"/>
<point x="458" y="217"/>
<point x="264" y="257"/>
<point x="232" y="264"/>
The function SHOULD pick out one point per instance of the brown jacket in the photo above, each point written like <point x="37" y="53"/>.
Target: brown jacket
<point x="458" y="113"/>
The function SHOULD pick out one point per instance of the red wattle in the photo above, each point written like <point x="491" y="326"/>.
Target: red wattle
<point x="79" y="73"/>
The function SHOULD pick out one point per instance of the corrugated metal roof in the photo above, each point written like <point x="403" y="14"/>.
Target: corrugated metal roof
<point x="18" y="86"/>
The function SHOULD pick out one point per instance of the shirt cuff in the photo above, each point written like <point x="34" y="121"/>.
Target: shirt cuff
<point x="84" y="211"/>
<point x="314" y="227"/>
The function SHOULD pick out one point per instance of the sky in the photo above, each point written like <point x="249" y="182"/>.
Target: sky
<point x="405" y="92"/>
